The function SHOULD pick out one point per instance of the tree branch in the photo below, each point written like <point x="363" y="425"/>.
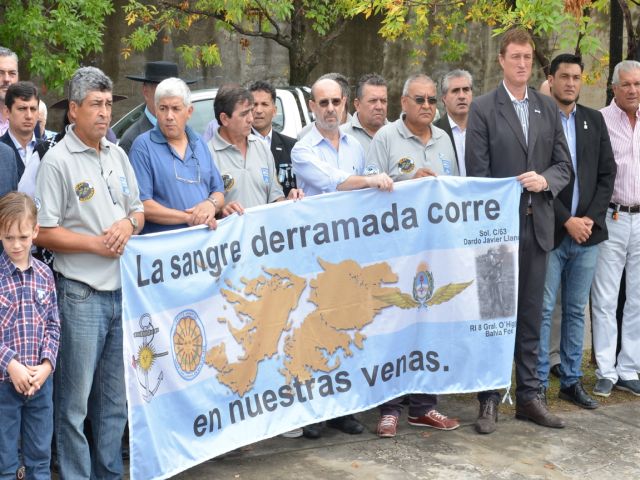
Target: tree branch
<point x="628" y="22"/>
<point x="276" y="37"/>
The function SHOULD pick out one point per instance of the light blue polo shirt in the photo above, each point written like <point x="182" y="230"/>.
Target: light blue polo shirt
<point x="171" y="181"/>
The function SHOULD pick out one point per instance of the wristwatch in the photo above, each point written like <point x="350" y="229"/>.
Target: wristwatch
<point x="134" y="223"/>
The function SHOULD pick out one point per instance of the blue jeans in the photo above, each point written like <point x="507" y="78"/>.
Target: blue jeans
<point x="31" y="419"/>
<point x="89" y="382"/>
<point x="574" y="266"/>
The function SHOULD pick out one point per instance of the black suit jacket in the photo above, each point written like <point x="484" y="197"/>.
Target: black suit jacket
<point x="596" y="176"/>
<point x="281" y="146"/>
<point x="6" y="139"/>
<point x="138" y="128"/>
<point x="443" y="123"/>
<point x="495" y="147"/>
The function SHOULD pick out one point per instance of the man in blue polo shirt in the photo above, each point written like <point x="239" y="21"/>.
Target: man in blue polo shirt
<point x="179" y="184"/>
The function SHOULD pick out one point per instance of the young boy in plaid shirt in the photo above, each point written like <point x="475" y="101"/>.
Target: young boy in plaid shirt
<point x="29" y="332"/>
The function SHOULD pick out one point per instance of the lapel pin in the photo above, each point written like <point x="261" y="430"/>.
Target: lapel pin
<point x="536" y="110"/>
<point x="585" y="125"/>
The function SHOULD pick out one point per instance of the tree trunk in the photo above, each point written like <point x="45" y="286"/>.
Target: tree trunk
<point x="615" y="42"/>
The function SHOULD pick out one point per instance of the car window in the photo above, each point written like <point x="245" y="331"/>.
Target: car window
<point x="278" y="120"/>
<point x="202" y="115"/>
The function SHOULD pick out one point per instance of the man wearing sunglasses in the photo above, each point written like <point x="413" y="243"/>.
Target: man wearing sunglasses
<point x="179" y="184"/>
<point x="514" y="131"/>
<point x="328" y="160"/>
<point x="411" y="147"/>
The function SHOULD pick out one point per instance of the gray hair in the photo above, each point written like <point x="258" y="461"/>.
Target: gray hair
<point x="86" y="80"/>
<point x="173" y="87"/>
<point x="624" y="66"/>
<point x="414" y="78"/>
<point x="458" y="73"/>
<point x="5" y="52"/>
<point x="341" y="80"/>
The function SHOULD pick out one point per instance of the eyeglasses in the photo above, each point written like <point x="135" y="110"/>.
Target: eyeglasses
<point x="187" y="180"/>
<point x="324" y="103"/>
<point x="420" y="100"/>
<point x="109" y="189"/>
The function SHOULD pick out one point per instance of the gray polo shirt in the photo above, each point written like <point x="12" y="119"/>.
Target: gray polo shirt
<point x="251" y="181"/>
<point x="399" y="153"/>
<point x="357" y="131"/>
<point x="86" y="191"/>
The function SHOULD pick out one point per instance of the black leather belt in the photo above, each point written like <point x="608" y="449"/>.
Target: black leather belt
<point x="625" y="208"/>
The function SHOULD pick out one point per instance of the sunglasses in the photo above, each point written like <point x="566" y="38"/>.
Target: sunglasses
<point x="324" y="103"/>
<point x="420" y="100"/>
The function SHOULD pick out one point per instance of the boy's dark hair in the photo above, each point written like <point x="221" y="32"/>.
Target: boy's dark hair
<point x="22" y="90"/>
<point x="565" y="58"/>
<point x="15" y="207"/>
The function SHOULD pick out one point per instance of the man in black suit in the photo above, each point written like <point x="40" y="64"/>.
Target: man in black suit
<point x="515" y="131"/>
<point x="580" y="212"/>
<point x="457" y="94"/>
<point x="264" y="109"/>
<point x="154" y="73"/>
<point x="21" y="109"/>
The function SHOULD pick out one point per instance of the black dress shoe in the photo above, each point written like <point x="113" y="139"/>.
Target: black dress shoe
<point x="577" y="395"/>
<point x="487" y="417"/>
<point x="555" y="370"/>
<point x="312" y="431"/>
<point x="347" y="424"/>
<point x="536" y="411"/>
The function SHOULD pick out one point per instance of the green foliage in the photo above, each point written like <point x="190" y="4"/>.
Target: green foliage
<point x="52" y="36"/>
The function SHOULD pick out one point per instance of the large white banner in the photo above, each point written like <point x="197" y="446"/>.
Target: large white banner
<point x="303" y="311"/>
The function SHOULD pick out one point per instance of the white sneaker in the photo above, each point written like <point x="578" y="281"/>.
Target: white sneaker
<point x="295" y="433"/>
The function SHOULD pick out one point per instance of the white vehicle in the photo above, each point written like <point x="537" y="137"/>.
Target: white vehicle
<point x="293" y="114"/>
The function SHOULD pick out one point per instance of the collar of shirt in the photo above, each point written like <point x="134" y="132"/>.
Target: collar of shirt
<point x="514" y="99"/>
<point x="75" y="145"/>
<point x="572" y="114"/>
<point x="315" y="137"/>
<point x="220" y="143"/>
<point x="4" y="124"/>
<point x="266" y="138"/>
<point x="151" y="117"/>
<point x="157" y="136"/>
<point x="454" y="125"/>
<point x="404" y="131"/>
<point x="7" y="267"/>
<point x="621" y="113"/>
<point x="30" y="145"/>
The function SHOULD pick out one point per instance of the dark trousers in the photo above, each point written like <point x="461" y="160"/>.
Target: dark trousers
<point x="533" y="269"/>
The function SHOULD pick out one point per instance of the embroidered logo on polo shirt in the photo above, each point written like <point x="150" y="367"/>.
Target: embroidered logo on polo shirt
<point x="406" y="165"/>
<point x="227" y="181"/>
<point x="265" y="175"/>
<point x="84" y="191"/>
<point x="38" y="203"/>
<point x="446" y="164"/>
<point x="125" y="186"/>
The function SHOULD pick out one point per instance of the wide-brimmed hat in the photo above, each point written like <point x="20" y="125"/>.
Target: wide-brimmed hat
<point x="64" y="103"/>
<point x="155" y="72"/>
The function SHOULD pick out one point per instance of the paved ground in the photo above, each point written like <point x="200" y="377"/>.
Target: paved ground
<point x="595" y="445"/>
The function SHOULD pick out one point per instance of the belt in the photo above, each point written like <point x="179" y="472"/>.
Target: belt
<point x="625" y="208"/>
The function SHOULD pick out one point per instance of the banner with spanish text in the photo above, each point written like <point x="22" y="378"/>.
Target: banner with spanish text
<point x="299" y="312"/>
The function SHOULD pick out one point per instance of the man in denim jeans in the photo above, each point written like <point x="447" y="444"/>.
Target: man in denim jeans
<point x="89" y="207"/>
<point x="580" y="210"/>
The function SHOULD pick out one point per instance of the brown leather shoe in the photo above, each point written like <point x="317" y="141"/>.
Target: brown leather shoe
<point x="487" y="417"/>
<point x="536" y="411"/>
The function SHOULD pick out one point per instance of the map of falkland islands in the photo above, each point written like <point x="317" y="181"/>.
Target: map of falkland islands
<point x="347" y="297"/>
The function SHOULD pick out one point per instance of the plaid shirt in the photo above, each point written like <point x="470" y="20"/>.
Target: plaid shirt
<point x="29" y="322"/>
